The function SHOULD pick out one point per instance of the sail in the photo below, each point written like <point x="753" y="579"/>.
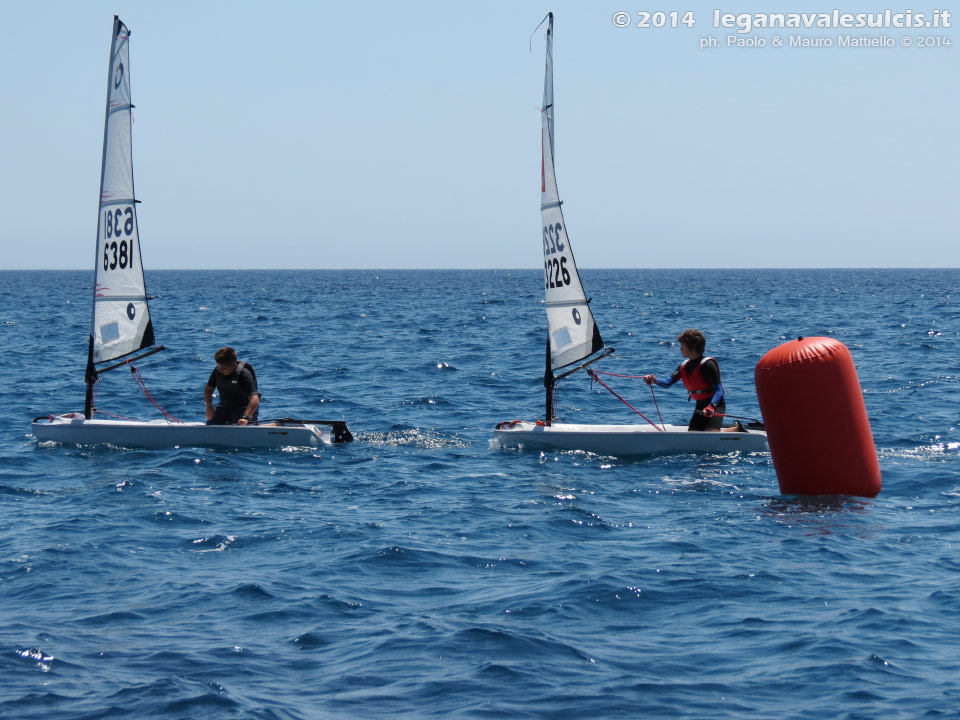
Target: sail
<point x="573" y="331"/>
<point x="121" y="319"/>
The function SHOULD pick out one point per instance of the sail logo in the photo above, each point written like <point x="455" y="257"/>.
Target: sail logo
<point x="117" y="76"/>
<point x="131" y="311"/>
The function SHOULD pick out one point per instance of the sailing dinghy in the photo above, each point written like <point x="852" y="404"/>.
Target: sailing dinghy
<point x="574" y="340"/>
<point x="121" y="326"/>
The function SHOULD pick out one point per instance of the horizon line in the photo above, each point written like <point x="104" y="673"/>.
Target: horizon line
<point x="495" y="269"/>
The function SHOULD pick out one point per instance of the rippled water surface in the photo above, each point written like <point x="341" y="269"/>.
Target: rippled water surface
<point x="421" y="572"/>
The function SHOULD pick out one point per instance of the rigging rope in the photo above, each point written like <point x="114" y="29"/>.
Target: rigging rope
<point x="93" y="396"/>
<point x="631" y="377"/>
<point x="593" y="376"/>
<point x="657" y="406"/>
<point x="736" y="417"/>
<point x="635" y="377"/>
<point x="143" y="386"/>
<point x="114" y="415"/>
<point x="93" y="404"/>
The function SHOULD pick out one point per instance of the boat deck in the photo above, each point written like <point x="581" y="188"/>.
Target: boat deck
<point x="626" y="440"/>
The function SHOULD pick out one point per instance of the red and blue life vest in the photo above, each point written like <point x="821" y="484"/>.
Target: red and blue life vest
<point x="693" y="380"/>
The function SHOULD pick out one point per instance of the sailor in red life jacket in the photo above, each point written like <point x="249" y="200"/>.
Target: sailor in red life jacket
<point x="701" y="378"/>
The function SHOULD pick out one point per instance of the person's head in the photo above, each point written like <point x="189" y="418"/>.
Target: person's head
<point x="693" y="340"/>
<point x="226" y="358"/>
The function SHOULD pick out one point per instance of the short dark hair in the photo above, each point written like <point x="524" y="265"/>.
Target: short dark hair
<point x="693" y="339"/>
<point x="225" y="355"/>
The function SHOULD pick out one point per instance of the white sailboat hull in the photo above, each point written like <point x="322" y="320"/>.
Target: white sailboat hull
<point x="163" y="434"/>
<point x="626" y="440"/>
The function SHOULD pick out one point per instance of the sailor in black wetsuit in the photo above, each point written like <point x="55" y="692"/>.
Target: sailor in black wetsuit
<point x="236" y="384"/>
<point x="701" y="378"/>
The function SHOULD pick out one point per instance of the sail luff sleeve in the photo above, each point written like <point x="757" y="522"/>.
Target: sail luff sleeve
<point x="90" y="372"/>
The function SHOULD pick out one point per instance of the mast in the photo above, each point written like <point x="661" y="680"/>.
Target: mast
<point x="573" y="335"/>
<point x="548" y="383"/>
<point x="91" y="379"/>
<point x="91" y="372"/>
<point x="548" y="379"/>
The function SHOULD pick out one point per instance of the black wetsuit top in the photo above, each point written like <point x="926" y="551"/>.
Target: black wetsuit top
<point x="234" y="389"/>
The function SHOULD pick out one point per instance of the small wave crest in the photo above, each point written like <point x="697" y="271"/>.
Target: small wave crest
<point x="214" y="543"/>
<point x="42" y="660"/>
<point x="412" y="437"/>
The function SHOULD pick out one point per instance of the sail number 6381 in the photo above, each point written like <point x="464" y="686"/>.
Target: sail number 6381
<point x="117" y="223"/>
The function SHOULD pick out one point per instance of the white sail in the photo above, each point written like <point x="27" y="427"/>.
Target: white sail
<point x="573" y="331"/>
<point x="121" y="319"/>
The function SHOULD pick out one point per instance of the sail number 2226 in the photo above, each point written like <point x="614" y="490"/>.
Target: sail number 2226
<point x="117" y="249"/>
<point x="554" y="269"/>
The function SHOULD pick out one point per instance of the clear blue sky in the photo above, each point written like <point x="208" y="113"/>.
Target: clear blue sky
<point x="406" y="135"/>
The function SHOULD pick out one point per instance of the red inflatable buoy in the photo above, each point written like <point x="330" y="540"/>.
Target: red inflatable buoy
<point x="817" y="425"/>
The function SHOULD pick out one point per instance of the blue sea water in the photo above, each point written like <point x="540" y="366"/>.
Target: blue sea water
<point x="423" y="572"/>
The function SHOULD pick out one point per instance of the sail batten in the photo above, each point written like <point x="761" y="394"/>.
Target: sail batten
<point x="562" y="303"/>
<point x="572" y="330"/>
<point x="118" y="298"/>
<point x="120" y="322"/>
